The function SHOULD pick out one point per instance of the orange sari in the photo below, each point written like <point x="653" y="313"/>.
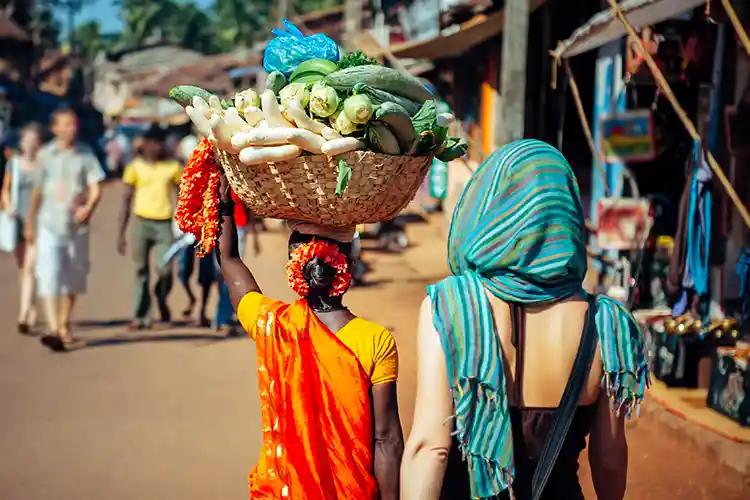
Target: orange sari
<point x="315" y="408"/>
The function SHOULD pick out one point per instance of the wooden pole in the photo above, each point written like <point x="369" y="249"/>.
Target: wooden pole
<point x="586" y="127"/>
<point x="735" y="20"/>
<point x="509" y="126"/>
<point x="689" y="126"/>
<point x="352" y="22"/>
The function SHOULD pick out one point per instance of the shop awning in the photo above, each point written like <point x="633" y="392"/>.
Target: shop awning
<point x="604" y="27"/>
<point x="452" y="41"/>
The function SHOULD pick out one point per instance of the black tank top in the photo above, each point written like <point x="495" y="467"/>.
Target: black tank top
<point x="530" y="427"/>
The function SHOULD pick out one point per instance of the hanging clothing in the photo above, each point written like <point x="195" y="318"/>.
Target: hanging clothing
<point x="518" y="233"/>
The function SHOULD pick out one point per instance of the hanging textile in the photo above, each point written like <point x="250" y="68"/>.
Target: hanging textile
<point x="697" y="270"/>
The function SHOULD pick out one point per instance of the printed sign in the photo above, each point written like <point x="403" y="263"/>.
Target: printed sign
<point x="624" y="223"/>
<point x="628" y="136"/>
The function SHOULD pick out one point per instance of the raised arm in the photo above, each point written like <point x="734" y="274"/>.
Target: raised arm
<point x="608" y="452"/>
<point x="426" y="452"/>
<point x="237" y="276"/>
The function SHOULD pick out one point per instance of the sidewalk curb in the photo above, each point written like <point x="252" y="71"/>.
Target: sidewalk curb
<point x="727" y="452"/>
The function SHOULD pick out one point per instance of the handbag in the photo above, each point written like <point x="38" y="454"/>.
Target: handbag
<point x="8" y="223"/>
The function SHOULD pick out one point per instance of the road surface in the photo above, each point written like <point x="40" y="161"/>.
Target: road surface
<point x="173" y="414"/>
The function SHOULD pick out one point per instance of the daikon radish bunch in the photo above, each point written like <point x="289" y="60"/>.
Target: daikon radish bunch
<point x="268" y="134"/>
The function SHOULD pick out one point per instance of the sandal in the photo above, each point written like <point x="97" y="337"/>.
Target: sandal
<point x="25" y="329"/>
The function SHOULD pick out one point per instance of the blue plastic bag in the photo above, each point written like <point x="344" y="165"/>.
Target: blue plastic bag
<point x="290" y="48"/>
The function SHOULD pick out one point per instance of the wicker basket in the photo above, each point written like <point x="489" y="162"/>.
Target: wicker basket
<point x="305" y="188"/>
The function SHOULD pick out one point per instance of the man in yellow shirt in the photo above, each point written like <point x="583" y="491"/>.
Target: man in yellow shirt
<point x="151" y="182"/>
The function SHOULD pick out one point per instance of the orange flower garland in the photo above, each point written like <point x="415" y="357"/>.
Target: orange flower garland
<point x="328" y="253"/>
<point x="197" y="210"/>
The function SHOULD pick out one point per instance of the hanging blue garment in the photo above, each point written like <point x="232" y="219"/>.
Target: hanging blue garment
<point x="697" y="272"/>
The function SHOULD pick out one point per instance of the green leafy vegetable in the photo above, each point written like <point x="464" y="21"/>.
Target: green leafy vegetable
<point x="356" y="59"/>
<point x="426" y="117"/>
<point x="345" y="175"/>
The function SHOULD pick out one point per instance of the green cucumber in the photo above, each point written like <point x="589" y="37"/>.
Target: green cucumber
<point x="382" y="139"/>
<point x="183" y="94"/>
<point x="398" y="121"/>
<point x="381" y="78"/>
<point x="381" y="96"/>
<point x="276" y="81"/>
<point x="309" y="77"/>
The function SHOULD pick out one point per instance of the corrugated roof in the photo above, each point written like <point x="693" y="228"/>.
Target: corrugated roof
<point x="604" y="27"/>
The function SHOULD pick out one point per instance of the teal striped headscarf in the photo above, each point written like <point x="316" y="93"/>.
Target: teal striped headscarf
<point x="518" y="232"/>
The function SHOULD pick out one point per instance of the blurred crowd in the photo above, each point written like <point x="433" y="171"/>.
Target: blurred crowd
<point x="51" y="187"/>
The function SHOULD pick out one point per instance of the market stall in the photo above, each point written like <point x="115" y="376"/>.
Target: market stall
<point x="665" y="135"/>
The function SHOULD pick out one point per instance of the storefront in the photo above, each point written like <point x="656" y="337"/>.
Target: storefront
<point x="658" y="201"/>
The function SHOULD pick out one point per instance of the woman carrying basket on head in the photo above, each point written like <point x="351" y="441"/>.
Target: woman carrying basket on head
<point x="327" y="378"/>
<point x="517" y="253"/>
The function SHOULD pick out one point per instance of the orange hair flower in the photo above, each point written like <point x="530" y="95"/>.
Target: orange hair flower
<point x="326" y="252"/>
<point x="198" y="200"/>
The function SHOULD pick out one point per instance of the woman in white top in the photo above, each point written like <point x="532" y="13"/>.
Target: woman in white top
<point x="20" y="178"/>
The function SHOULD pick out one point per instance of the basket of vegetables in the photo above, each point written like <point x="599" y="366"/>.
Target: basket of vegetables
<point x="332" y="142"/>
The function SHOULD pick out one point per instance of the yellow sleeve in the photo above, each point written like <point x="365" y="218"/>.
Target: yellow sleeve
<point x="384" y="359"/>
<point x="129" y="176"/>
<point x="247" y="312"/>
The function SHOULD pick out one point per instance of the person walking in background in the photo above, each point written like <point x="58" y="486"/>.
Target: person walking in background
<point x="20" y="179"/>
<point x="517" y="252"/>
<point x="66" y="194"/>
<point x="151" y="183"/>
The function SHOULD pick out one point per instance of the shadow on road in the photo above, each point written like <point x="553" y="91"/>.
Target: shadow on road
<point x="199" y="340"/>
<point x="117" y="323"/>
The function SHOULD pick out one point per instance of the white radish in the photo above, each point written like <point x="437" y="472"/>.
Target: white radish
<point x="222" y="133"/>
<point x="271" y="111"/>
<point x="215" y="104"/>
<point x="241" y="140"/>
<point x="253" y="116"/>
<point x="297" y="113"/>
<point x="268" y="136"/>
<point x="233" y="120"/>
<point x="341" y="146"/>
<point x="201" y="105"/>
<point x="269" y="154"/>
<point x="329" y="134"/>
<point x="306" y="140"/>
<point x="199" y="120"/>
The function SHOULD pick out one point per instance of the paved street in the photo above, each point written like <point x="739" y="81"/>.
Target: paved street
<point x="173" y="414"/>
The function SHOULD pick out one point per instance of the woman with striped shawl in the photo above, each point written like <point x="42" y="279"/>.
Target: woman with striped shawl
<point x="505" y="328"/>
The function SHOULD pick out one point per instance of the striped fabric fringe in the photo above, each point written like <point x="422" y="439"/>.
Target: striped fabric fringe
<point x="518" y="233"/>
